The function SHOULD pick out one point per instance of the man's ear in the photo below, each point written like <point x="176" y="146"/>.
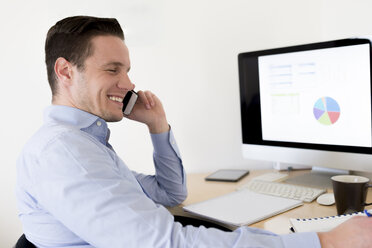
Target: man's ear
<point x="63" y="70"/>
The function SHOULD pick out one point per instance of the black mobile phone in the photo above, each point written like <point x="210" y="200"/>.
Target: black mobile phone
<point x="129" y="101"/>
<point x="227" y="175"/>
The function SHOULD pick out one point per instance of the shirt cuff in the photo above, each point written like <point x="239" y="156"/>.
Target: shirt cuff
<point x="306" y="239"/>
<point x="165" y="144"/>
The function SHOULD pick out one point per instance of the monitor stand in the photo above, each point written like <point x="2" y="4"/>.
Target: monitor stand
<point x="317" y="178"/>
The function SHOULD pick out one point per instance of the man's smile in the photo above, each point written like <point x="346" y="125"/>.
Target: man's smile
<point x="116" y="98"/>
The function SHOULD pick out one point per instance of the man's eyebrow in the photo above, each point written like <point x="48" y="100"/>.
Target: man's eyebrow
<point x="115" y="64"/>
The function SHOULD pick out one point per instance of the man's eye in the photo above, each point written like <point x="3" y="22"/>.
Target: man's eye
<point x="112" y="70"/>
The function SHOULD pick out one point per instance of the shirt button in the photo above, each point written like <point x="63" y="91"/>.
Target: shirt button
<point x="99" y="123"/>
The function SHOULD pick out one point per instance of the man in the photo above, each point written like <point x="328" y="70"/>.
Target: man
<point x="74" y="191"/>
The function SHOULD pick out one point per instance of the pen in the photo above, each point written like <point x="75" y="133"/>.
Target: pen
<point x="367" y="213"/>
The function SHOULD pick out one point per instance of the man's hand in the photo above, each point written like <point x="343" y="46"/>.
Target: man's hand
<point x="149" y="110"/>
<point x="356" y="233"/>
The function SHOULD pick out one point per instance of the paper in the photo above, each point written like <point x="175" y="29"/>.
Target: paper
<point x="322" y="224"/>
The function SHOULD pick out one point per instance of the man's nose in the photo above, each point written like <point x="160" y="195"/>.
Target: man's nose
<point x="126" y="84"/>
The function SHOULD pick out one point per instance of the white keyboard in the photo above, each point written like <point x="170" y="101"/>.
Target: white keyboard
<point x="305" y="194"/>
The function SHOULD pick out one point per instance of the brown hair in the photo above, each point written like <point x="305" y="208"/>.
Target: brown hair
<point x="71" y="37"/>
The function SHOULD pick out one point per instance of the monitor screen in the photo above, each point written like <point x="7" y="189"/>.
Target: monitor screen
<point x="314" y="96"/>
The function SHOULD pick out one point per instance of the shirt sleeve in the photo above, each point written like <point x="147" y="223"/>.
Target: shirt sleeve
<point x="254" y="238"/>
<point x="309" y="239"/>
<point x="168" y="185"/>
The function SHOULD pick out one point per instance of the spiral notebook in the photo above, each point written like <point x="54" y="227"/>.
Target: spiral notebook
<point x="321" y="224"/>
<point x="242" y="207"/>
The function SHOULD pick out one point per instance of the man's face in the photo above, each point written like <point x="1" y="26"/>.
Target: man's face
<point x="100" y="88"/>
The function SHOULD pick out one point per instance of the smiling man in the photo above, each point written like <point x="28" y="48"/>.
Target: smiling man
<point x="73" y="190"/>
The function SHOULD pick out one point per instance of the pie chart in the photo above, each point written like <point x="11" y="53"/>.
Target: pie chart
<point x="326" y="110"/>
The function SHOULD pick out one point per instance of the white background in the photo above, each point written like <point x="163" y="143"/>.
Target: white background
<point x="185" y="51"/>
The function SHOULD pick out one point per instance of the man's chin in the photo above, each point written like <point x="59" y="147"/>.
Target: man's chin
<point x="113" y="118"/>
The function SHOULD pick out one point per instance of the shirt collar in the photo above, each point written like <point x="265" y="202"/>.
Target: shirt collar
<point x="85" y="121"/>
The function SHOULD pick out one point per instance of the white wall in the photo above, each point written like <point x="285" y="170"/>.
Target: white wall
<point x="184" y="51"/>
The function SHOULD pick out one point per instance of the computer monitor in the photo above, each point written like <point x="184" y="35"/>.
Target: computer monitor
<point x="308" y="104"/>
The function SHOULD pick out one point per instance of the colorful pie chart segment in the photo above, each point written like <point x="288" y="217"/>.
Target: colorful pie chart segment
<point x="326" y="110"/>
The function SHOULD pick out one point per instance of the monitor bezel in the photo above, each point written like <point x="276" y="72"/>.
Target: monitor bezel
<point x="250" y="97"/>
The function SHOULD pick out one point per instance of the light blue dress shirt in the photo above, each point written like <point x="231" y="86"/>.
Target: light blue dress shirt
<point x="74" y="191"/>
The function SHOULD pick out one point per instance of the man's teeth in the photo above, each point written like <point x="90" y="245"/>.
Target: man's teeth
<point x="115" y="98"/>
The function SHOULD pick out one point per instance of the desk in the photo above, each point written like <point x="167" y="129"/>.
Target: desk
<point x="200" y="190"/>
